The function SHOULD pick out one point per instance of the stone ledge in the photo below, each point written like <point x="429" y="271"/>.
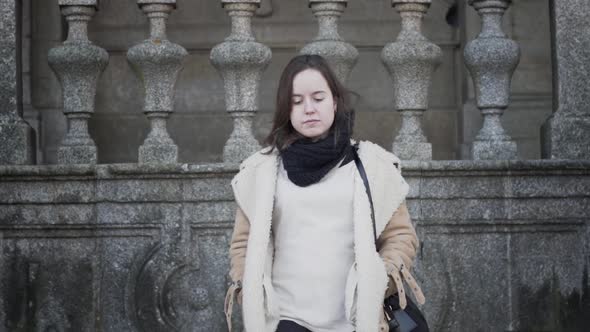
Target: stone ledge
<point x="103" y="171"/>
<point x="410" y="168"/>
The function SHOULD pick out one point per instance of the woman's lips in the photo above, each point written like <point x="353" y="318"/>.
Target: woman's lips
<point x="311" y="121"/>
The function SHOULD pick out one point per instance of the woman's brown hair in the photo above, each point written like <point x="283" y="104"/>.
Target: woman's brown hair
<point x="283" y="133"/>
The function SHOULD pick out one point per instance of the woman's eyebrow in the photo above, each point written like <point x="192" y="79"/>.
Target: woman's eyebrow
<point x="313" y="93"/>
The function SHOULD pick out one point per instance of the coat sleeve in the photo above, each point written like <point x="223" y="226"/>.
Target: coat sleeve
<point x="397" y="246"/>
<point x="237" y="257"/>
<point x="238" y="246"/>
<point x="398" y="242"/>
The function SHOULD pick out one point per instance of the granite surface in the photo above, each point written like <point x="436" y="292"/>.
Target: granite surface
<point x="566" y="133"/>
<point x="138" y="242"/>
<point x="328" y="43"/>
<point x="78" y="65"/>
<point x="491" y="59"/>
<point x="241" y="60"/>
<point x="94" y="3"/>
<point x="411" y="60"/>
<point x="143" y="247"/>
<point x="16" y="136"/>
<point x="157" y="63"/>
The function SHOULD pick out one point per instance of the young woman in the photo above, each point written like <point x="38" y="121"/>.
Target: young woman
<point x="303" y="252"/>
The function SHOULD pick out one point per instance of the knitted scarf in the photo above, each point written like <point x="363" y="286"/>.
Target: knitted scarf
<point x="306" y="161"/>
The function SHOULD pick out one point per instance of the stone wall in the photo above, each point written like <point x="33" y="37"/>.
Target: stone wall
<point x="144" y="248"/>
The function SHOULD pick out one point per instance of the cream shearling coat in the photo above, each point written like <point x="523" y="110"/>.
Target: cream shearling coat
<point x="252" y="247"/>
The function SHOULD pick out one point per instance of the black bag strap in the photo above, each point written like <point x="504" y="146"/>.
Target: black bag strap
<point x="361" y="168"/>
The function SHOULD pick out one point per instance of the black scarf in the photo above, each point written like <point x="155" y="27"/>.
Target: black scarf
<point x="306" y="161"/>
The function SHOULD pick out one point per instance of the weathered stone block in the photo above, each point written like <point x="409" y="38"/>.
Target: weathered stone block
<point x="462" y="264"/>
<point x="567" y="132"/>
<point x="78" y="3"/>
<point x="54" y="214"/>
<point x="549" y="284"/>
<point x="494" y="150"/>
<point x="140" y="190"/>
<point x="209" y="212"/>
<point x="17" y="142"/>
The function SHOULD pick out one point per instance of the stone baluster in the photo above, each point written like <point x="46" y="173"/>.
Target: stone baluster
<point x="241" y="61"/>
<point x="78" y="64"/>
<point x="566" y="134"/>
<point x="411" y="60"/>
<point x="340" y="55"/>
<point x="157" y="62"/>
<point x="16" y="143"/>
<point x="491" y="59"/>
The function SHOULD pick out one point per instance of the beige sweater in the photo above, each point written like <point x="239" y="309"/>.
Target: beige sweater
<point x="313" y="240"/>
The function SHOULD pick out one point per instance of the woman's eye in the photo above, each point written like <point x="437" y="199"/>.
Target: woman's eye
<point x="297" y="102"/>
<point x="318" y="99"/>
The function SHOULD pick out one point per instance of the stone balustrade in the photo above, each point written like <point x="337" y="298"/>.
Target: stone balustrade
<point x="78" y="64"/>
<point x="241" y="61"/>
<point x="341" y="55"/>
<point x="411" y="60"/>
<point x="143" y="246"/>
<point x="491" y="59"/>
<point x="157" y="62"/>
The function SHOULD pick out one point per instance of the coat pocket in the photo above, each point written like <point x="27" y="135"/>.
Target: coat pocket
<point x="270" y="303"/>
<point x="350" y="295"/>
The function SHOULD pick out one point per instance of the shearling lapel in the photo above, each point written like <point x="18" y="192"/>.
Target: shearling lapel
<point x="391" y="189"/>
<point x="387" y="195"/>
<point x="372" y="276"/>
<point x="258" y="175"/>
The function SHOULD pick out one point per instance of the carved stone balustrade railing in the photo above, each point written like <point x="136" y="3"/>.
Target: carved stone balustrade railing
<point x="411" y="60"/>
<point x="241" y="61"/>
<point x="341" y="55"/>
<point x="157" y="62"/>
<point x="143" y="246"/>
<point x="78" y="64"/>
<point x="491" y="59"/>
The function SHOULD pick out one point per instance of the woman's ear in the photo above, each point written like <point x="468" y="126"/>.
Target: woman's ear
<point x="335" y="105"/>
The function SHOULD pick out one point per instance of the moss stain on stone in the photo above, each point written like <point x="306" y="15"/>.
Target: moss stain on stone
<point x="547" y="309"/>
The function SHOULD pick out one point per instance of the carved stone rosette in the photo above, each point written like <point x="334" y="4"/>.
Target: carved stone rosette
<point x="341" y="55"/>
<point x="241" y="60"/>
<point x="157" y="62"/>
<point x="411" y="60"/>
<point x="78" y="64"/>
<point x="491" y="59"/>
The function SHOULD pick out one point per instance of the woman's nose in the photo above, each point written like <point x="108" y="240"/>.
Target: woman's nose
<point x="308" y="106"/>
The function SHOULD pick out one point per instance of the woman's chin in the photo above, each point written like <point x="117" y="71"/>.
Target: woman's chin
<point x="315" y="135"/>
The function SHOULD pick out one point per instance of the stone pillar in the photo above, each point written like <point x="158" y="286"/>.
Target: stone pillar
<point x="16" y="136"/>
<point x="241" y="61"/>
<point x="566" y="134"/>
<point x="411" y="60"/>
<point x="78" y="64"/>
<point x="491" y="59"/>
<point x="340" y="55"/>
<point x="157" y="62"/>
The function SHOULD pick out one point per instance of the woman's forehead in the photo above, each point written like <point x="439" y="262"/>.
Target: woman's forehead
<point x="309" y="81"/>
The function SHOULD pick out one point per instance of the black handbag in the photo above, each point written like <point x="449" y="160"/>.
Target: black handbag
<point x="409" y="319"/>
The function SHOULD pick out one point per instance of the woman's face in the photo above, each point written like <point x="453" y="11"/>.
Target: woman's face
<point x="312" y="104"/>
